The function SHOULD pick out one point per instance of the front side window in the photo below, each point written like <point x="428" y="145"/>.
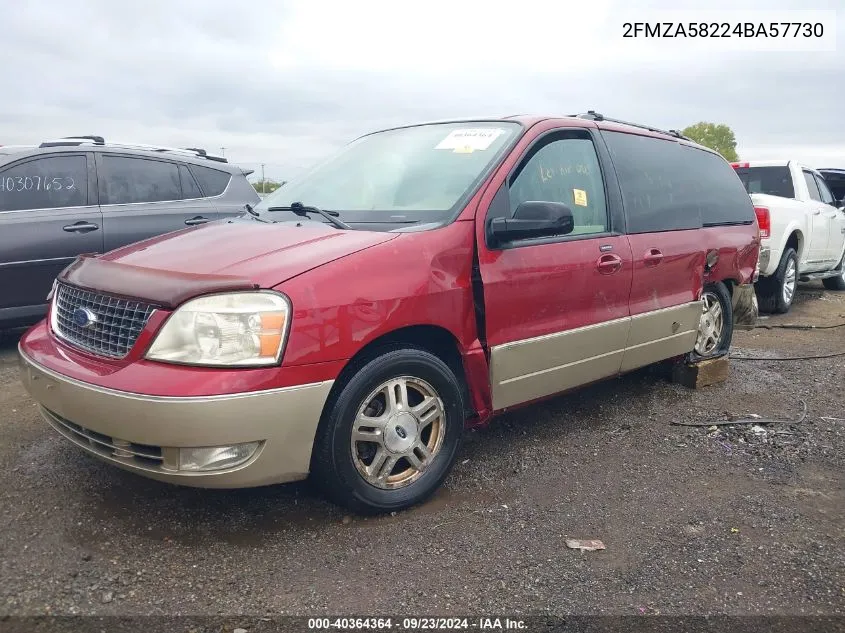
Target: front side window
<point x="404" y="175"/>
<point x="565" y="170"/>
<point x="827" y="197"/>
<point x="812" y="187"/>
<point x="45" y="183"/>
<point x="125" y="180"/>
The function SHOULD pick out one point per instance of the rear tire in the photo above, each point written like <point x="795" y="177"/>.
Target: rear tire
<point x="391" y="436"/>
<point x="776" y="294"/>
<point x="716" y="329"/>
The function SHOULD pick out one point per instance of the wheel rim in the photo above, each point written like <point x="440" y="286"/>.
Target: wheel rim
<point x="397" y="432"/>
<point x="789" y="282"/>
<point x="710" y="326"/>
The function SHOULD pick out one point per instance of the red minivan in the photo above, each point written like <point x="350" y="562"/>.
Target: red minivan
<point x="425" y="278"/>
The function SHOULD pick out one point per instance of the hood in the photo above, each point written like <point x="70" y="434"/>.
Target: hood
<point x="236" y="252"/>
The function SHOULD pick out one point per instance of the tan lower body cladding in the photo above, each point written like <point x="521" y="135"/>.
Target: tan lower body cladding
<point x="545" y="365"/>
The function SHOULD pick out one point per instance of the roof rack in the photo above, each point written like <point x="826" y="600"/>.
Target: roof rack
<point x="592" y="115"/>
<point x="75" y="141"/>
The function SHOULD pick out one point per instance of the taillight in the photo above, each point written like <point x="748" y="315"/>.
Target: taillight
<point x="764" y="221"/>
<point x="739" y="165"/>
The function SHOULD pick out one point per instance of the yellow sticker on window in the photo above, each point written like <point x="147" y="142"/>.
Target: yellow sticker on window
<point x="580" y="197"/>
<point x="463" y="149"/>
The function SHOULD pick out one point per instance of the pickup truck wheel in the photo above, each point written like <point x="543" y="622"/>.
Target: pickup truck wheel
<point x="391" y="436"/>
<point x="776" y="293"/>
<point x="716" y="327"/>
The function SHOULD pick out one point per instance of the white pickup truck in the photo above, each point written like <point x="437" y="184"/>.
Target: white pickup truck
<point x="802" y="228"/>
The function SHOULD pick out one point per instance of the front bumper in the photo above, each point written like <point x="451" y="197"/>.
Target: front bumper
<point x="143" y="433"/>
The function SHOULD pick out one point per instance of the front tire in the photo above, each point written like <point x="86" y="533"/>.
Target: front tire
<point x="776" y="293"/>
<point x="391" y="436"/>
<point x="716" y="327"/>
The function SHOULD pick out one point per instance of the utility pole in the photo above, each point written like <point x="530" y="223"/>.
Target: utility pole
<point x="223" y="151"/>
<point x="263" y="181"/>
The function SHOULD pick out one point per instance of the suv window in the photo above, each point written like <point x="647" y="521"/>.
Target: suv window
<point x="827" y="197"/>
<point x="812" y="186"/>
<point x="45" y="183"/>
<point x="212" y="181"/>
<point x="669" y="186"/>
<point x="125" y="180"/>
<point x="565" y="170"/>
<point x="659" y="190"/>
<point x="719" y="194"/>
<point x="772" y="181"/>
<point x="190" y="190"/>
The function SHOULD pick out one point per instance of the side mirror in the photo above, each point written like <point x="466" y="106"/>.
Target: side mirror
<point x="532" y="219"/>
<point x="840" y="204"/>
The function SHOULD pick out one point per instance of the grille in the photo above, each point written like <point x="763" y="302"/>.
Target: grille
<point x="112" y="332"/>
<point x="142" y="455"/>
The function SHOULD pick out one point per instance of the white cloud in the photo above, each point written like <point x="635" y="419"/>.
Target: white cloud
<point x="284" y="83"/>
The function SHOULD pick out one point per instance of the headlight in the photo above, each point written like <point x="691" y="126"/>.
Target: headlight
<point x="241" y="328"/>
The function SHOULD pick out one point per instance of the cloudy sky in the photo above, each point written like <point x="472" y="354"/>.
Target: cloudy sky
<point x="286" y="82"/>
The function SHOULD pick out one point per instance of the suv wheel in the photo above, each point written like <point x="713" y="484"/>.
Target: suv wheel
<point x="776" y="293"/>
<point x="716" y="327"/>
<point x="391" y="436"/>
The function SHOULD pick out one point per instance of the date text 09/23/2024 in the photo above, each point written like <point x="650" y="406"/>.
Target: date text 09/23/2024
<point x="416" y="624"/>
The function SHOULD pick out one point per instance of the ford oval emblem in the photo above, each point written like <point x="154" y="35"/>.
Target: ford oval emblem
<point x="83" y="317"/>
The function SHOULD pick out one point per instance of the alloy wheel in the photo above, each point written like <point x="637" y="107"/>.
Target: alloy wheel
<point x="397" y="432"/>
<point x="710" y="326"/>
<point x="789" y="277"/>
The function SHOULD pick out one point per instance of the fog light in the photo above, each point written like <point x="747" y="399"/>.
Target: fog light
<point x="216" y="457"/>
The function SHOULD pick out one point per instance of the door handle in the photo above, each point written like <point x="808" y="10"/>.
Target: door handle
<point x="196" y="220"/>
<point x="608" y="264"/>
<point x="817" y="212"/>
<point x="652" y="257"/>
<point x="80" y="227"/>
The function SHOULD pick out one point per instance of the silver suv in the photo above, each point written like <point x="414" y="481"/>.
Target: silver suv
<point x="83" y="195"/>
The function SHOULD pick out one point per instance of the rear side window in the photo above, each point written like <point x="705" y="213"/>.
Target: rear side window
<point x="773" y="181"/>
<point x="720" y="195"/>
<point x="812" y="187"/>
<point x="125" y="180"/>
<point x="190" y="190"/>
<point x="212" y="181"/>
<point x="669" y="186"/>
<point x="565" y="170"/>
<point x="45" y="183"/>
<point x="659" y="190"/>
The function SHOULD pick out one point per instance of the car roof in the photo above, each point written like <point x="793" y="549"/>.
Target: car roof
<point x="30" y="151"/>
<point x="590" y="119"/>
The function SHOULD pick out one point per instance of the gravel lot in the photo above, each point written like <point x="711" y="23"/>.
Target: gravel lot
<point x="695" y="521"/>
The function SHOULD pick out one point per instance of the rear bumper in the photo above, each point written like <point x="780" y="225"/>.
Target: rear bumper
<point x="143" y="433"/>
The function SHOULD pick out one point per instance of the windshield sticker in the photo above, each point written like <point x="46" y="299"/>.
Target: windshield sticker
<point x="468" y="140"/>
<point x="580" y="197"/>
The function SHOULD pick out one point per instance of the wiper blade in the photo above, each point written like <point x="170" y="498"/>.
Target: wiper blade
<point x="300" y="209"/>
<point x="254" y="213"/>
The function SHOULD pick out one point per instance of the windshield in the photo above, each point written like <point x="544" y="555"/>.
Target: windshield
<point x="412" y="174"/>
<point x="775" y="181"/>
